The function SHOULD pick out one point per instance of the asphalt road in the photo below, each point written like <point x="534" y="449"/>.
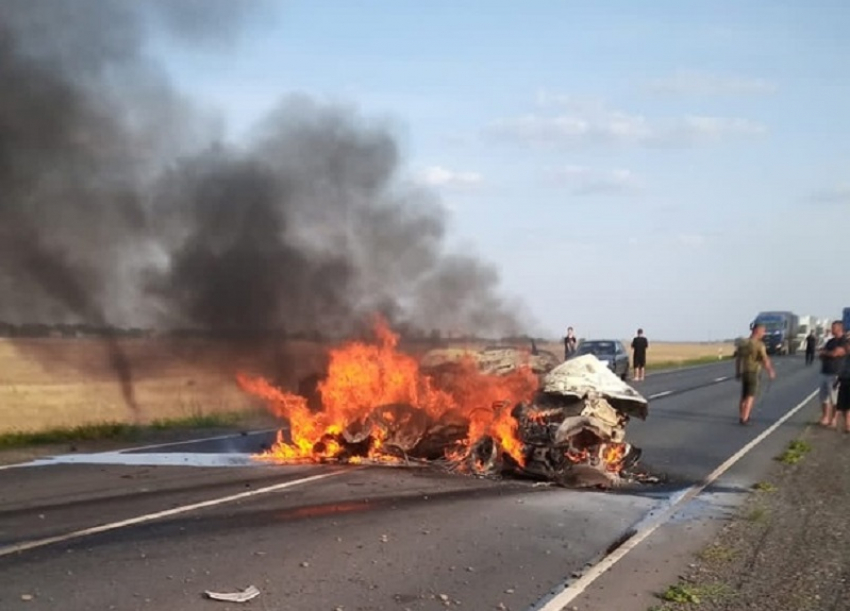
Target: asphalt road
<point x="357" y="539"/>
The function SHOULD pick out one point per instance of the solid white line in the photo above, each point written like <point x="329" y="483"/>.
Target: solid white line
<point x="201" y="440"/>
<point x="661" y="394"/>
<point x="27" y="545"/>
<point x="559" y="602"/>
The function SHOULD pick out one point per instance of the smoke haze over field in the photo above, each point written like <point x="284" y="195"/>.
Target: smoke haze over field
<point x="119" y="206"/>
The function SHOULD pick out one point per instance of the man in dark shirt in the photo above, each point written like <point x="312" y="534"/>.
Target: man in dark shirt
<point x="639" y="346"/>
<point x="832" y="361"/>
<point x="811" y="344"/>
<point x="842" y="400"/>
<point x="570" y="344"/>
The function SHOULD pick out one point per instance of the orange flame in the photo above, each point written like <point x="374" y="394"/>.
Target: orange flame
<point x="362" y="377"/>
<point x="613" y="455"/>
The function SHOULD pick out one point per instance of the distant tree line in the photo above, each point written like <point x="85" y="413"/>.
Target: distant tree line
<point x="407" y="333"/>
<point x="68" y="330"/>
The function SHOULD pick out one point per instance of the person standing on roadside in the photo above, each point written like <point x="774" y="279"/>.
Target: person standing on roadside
<point x="570" y="344"/>
<point x="750" y="356"/>
<point x="639" y="346"/>
<point x="842" y="399"/>
<point x="832" y="360"/>
<point x="811" y="344"/>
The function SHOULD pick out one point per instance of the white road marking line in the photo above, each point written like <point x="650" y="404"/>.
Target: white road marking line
<point x="560" y="601"/>
<point x="46" y="460"/>
<point x="27" y="545"/>
<point x="661" y="394"/>
<point x="189" y="441"/>
<point x="721" y="379"/>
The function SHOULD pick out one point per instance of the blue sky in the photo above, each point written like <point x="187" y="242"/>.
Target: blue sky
<point x="672" y="165"/>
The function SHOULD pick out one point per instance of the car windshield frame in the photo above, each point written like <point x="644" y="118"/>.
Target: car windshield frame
<point x="597" y="347"/>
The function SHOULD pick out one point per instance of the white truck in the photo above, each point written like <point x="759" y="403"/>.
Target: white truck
<point x="807" y="324"/>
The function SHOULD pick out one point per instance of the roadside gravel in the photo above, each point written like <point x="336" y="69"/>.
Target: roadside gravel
<point x="789" y="547"/>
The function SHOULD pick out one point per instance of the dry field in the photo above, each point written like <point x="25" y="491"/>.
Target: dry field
<point x="46" y="383"/>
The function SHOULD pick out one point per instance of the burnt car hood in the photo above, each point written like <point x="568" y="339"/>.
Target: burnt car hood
<point x="586" y="376"/>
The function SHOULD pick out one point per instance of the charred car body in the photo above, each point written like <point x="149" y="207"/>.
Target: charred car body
<point x="574" y="430"/>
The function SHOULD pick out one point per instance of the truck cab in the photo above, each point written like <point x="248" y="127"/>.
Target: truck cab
<point x="780" y="331"/>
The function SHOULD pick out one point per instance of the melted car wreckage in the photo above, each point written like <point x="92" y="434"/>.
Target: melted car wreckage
<point x="573" y="432"/>
<point x="565" y="423"/>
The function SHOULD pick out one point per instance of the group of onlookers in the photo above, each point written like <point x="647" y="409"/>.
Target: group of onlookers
<point x="834" y="387"/>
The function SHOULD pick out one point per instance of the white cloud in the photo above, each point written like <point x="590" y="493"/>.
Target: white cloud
<point x="691" y="82"/>
<point x="589" y="181"/>
<point x="438" y="176"/>
<point x="586" y="121"/>
<point x="839" y="195"/>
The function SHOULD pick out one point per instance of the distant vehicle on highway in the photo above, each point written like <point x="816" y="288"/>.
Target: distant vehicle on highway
<point x="610" y="351"/>
<point x="780" y="331"/>
<point x="807" y="324"/>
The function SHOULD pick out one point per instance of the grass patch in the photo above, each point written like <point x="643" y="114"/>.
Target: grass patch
<point x="757" y="514"/>
<point x="681" y="593"/>
<point x="113" y="430"/>
<point x="688" y="594"/>
<point x="795" y="452"/>
<point x="716" y="554"/>
<point x="765" y="487"/>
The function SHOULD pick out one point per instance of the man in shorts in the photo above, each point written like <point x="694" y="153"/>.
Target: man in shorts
<point x="832" y="357"/>
<point x="639" y="346"/>
<point x="750" y="356"/>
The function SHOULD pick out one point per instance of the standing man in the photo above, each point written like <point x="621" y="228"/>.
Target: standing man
<point x="811" y="344"/>
<point x="750" y="356"/>
<point x="570" y="344"/>
<point x="639" y="346"/>
<point x="842" y="400"/>
<point x="832" y="359"/>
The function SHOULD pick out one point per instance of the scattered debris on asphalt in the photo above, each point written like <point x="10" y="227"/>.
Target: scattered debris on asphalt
<point x="492" y="413"/>
<point x="240" y="596"/>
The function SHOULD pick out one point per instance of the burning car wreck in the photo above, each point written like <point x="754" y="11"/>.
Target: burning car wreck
<point x="491" y="413"/>
<point x="573" y="431"/>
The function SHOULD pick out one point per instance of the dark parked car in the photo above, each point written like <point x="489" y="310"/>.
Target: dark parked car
<point x="610" y="352"/>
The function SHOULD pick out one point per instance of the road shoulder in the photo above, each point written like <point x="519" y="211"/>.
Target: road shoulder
<point x="783" y="547"/>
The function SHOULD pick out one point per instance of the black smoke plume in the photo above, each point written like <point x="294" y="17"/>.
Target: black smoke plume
<point x="119" y="206"/>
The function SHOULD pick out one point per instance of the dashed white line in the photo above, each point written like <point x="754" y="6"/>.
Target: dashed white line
<point x="721" y="379"/>
<point x="561" y="600"/>
<point x="27" y="545"/>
